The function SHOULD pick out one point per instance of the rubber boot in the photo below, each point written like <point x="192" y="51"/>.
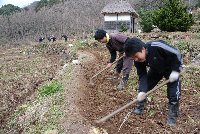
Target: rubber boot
<point x="173" y="112"/>
<point x="140" y="107"/>
<point x="115" y="75"/>
<point x="123" y="81"/>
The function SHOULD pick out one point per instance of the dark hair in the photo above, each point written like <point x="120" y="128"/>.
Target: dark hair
<point x="99" y="34"/>
<point x="132" y="46"/>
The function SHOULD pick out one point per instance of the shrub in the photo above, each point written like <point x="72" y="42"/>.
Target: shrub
<point x="173" y="16"/>
<point x="146" y="22"/>
<point x="123" y="28"/>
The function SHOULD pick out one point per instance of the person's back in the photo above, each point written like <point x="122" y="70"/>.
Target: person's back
<point x="40" y="40"/>
<point x="54" y="39"/>
<point x="164" y="61"/>
<point x="115" y="42"/>
<point x="49" y="39"/>
<point x="65" y="36"/>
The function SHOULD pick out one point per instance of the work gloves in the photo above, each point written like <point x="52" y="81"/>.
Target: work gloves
<point x="173" y="76"/>
<point x="141" y="96"/>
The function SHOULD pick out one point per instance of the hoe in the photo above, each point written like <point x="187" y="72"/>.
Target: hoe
<point x="91" y="83"/>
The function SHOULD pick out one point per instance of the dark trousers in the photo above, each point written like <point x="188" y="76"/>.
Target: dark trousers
<point x="173" y="89"/>
<point x="124" y="64"/>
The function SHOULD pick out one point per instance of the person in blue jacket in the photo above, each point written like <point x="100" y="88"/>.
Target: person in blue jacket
<point x="164" y="61"/>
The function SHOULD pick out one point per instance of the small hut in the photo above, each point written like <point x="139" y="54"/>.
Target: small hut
<point x="119" y="14"/>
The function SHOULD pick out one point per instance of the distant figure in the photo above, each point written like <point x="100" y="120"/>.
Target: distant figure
<point x="40" y="40"/>
<point x="49" y="38"/>
<point x="54" y="38"/>
<point x="65" y="36"/>
<point x="190" y="12"/>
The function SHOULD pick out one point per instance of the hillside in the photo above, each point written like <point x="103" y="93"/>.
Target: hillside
<point x="71" y="18"/>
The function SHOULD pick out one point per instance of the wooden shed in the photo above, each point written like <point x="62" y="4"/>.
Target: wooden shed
<point x="119" y="12"/>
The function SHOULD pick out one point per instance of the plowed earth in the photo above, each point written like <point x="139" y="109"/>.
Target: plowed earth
<point x="103" y="98"/>
<point x="93" y="103"/>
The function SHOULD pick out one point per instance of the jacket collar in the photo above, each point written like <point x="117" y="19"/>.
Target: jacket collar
<point x="107" y="36"/>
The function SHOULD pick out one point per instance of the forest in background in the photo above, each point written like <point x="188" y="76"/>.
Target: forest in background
<point x="67" y="17"/>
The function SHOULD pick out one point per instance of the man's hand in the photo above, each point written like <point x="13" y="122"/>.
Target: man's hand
<point x="141" y="96"/>
<point x="124" y="55"/>
<point x="109" y="65"/>
<point x="173" y="76"/>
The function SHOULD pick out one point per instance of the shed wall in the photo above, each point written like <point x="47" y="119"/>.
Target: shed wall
<point x="114" y="26"/>
<point x="112" y="22"/>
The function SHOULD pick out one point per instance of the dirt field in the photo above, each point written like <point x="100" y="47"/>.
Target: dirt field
<point x="104" y="99"/>
<point x="79" y="105"/>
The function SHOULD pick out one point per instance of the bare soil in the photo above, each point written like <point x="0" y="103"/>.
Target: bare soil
<point x="88" y="104"/>
<point x="103" y="99"/>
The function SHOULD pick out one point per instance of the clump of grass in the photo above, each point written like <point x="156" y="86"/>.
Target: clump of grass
<point x="50" y="88"/>
<point x="43" y="45"/>
<point x="151" y="112"/>
<point x="191" y="120"/>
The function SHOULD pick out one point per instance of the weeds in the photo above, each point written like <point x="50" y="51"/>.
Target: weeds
<point x="181" y="45"/>
<point x="51" y="88"/>
<point x="68" y="69"/>
<point x="169" y="42"/>
<point x="84" y="44"/>
<point x="164" y="89"/>
<point x="191" y="120"/>
<point x="151" y="97"/>
<point x="43" y="45"/>
<point x="151" y="112"/>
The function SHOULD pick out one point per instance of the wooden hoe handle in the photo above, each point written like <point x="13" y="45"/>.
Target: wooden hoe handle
<point x="106" y="67"/>
<point x="136" y="100"/>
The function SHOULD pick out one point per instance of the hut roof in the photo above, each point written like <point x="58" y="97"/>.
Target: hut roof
<point x="119" y="7"/>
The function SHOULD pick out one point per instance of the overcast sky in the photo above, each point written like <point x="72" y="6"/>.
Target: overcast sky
<point x="19" y="3"/>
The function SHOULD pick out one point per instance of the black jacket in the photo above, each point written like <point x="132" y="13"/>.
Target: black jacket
<point x="160" y="57"/>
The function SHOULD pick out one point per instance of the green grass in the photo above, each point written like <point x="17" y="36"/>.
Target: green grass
<point x="151" y="112"/>
<point x="169" y="42"/>
<point x="50" y="88"/>
<point x="151" y="96"/>
<point x="191" y="120"/>
<point x="43" y="45"/>
<point x="181" y="45"/>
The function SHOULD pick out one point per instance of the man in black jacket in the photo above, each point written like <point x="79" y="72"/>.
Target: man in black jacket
<point x="163" y="60"/>
<point x="54" y="38"/>
<point x="65" y="36"/>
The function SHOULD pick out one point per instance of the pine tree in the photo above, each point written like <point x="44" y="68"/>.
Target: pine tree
<point x="40" y="4"/>
<point x="146" y="22"/>
<point x="9" y="9"/>
<point x="173" y="16"/>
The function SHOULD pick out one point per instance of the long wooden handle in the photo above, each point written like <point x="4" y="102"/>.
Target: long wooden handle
<point x="106" y="67"/>
<point x="136" y="100"/>
<point x="155" y="88"/>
